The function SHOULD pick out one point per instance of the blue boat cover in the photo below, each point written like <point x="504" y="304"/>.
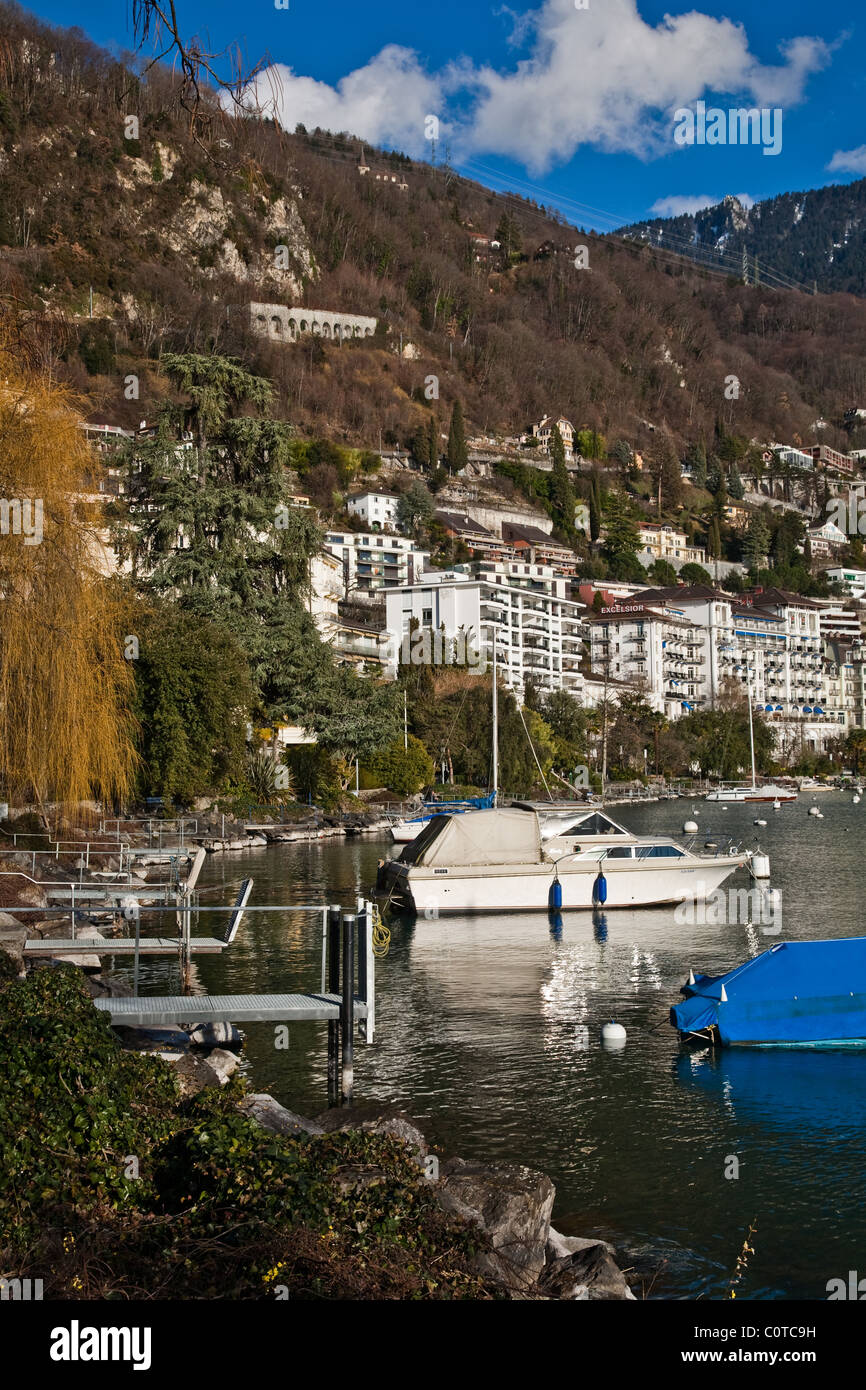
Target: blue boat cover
<point x="797" y="992"/>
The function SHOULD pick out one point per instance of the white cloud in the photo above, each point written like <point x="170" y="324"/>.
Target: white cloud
<point x="605" y="77"/>
<point x="676" y="204"/>
<point x="849" y="161"/>
<point x="384" y="102"/>
<point x="600" y="76"/>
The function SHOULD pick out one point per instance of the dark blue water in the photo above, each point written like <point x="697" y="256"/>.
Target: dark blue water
<point x="488" y="1032"/>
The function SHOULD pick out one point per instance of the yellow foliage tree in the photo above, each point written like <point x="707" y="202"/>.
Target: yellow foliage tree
<point x="65" y="684"/>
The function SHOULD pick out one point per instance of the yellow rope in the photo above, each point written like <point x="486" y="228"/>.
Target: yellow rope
<point x="381" y="934"/>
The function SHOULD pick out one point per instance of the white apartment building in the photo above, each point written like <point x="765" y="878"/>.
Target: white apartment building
<point x="667" y="543"/>
<point x="377" y="510"/>
<point x="376" y="561"/>
<point x="662" y="653"/>
<point x="685" y="643"/>
<point x="853" y="581"/>
<point x="523" y="608"/>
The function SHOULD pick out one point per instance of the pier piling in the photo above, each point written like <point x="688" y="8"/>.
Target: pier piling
<point x="347" y="1008"/>
<point x="333" y="987"/>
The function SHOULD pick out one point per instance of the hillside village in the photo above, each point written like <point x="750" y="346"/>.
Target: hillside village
<point x="453" y="546"/>
<point x="347" y="412"/>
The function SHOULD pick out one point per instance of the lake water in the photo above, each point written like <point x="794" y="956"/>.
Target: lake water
<point x="488" y="1033"/>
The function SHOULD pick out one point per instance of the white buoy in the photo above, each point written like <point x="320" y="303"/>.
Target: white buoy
<point x="759" y="822"/>
<point x="820" y="815"/>
<point x="691" y="977"/>
<point x="690" y="827"/>
<point x="813" y="811"/>
<point x="761" y="865"/>
<point x="855" y="800"/>
<point x="613" y="1035"/>
<point x="777" y="805"/>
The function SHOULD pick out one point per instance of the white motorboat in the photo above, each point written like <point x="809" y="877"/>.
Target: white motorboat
<point x="769" y="792"/>
<point x="497" y="861"/>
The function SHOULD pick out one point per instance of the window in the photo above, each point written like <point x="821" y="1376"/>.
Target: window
<point x="619" y="852"/>
<point x="659" y="852"/>
<point x="426" y="617"/>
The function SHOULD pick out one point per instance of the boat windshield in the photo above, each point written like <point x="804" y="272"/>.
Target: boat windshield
<point x="595" y="824"/>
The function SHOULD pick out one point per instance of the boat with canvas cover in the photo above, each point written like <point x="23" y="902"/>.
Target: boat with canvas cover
<point x="497" y="861"/>
<point x="796" y="994"/>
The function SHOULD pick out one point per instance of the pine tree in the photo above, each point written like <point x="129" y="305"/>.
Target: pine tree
<point x="458" y="455"/>
<point x="561" y="489"/>
<point x="756" y="543"/>
<point x="735" y="484"/>
<point x="666" y="475"/>
<point x="433" y="443"/>
<point x="595" y="505"/>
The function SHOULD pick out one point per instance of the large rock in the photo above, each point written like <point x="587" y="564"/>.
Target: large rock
<point x="107" y="986"/>
<point x="271" y="1115"/>
<point x="590" y="1273"/>
<point x="559" y="1246"/>
<point x="223" y="1063"/>
<point x="10" y="923"/>
<point x="373" y="1119"/>
<point x="194" y="1074"/>
<point x="213" y="1035"/>
<point x="512" y="1205"/>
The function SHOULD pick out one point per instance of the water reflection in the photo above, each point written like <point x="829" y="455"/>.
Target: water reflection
<point x="489" y="1032"/>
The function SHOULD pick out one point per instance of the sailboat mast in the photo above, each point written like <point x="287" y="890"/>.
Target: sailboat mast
<point x="751" y="734"/>
<point x="495" y="727"/>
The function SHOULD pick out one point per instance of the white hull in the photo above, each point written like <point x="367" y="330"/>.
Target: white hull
<point x="526" y="887"/>
<point x="405" y="831"/>
<point x="743" y="794"/>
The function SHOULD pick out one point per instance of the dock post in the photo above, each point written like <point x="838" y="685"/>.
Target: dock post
<point x="347" y="1008"/>
<point x="333" y="987"/>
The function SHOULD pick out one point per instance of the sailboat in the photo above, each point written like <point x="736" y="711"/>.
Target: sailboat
<point x="769" y="791"/>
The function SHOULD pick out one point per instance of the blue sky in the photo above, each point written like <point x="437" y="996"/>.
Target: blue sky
<point x="569" y="101"/>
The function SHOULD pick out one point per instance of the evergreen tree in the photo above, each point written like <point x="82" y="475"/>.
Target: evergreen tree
<point x="433" y="443"/>
<point x="621" y="540"/>
<point x="756" y="542"/>
<point x="666" y="475"/>
<point x="595" y="505"/>
<point x="561" y="489"/>
<point x="421" y="450"/>
<point x="696" y="455"/>
<point x="735" y="484"/>
<point x="458" y="455"/>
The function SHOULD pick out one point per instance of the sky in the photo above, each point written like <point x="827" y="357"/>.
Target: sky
<point x="591" y="106"/>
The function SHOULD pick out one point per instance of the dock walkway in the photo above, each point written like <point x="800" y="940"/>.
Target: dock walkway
<point x="157" y="1010"/>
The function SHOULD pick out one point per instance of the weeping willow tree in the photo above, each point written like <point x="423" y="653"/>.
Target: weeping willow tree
<point x="65" y="683"/>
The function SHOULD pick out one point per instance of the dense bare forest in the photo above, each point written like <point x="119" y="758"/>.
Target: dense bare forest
<point x="105" y="186"/>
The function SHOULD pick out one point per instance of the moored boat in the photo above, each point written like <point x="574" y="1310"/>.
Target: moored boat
<point x="497" y="861"/>
<point x="796" y="994"/>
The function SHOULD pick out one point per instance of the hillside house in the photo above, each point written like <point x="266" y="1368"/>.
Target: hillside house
<point x="544" y="429"/>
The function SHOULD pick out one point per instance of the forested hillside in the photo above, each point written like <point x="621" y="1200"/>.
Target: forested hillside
<point x="176" y="229"/>
<point x="816" y="237"/>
